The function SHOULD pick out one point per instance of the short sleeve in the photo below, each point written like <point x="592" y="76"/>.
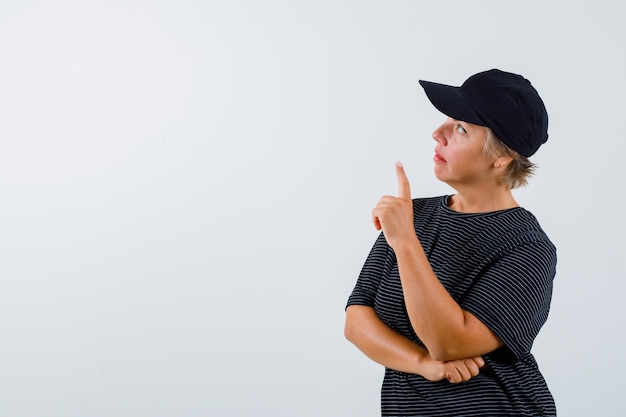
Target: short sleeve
<point x="364" y="292"/>
<point x="513" y="296"/>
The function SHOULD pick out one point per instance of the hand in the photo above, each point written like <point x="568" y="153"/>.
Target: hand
<point x="454" y="371"/>
<point x="394" y="215"/>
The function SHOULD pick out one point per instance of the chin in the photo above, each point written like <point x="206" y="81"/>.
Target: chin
<point x="445" y="179"/>
<point x="440" y="175"/>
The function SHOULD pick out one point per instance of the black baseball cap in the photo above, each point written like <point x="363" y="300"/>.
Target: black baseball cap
<point x="505" y="102"/>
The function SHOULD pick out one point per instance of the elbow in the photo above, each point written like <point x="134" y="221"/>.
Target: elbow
<point x="349" y="330"/>
<point x="348" y="335"/>
<point x="353" y="324"/>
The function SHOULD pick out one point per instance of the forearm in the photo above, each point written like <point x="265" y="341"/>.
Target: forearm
<point x="380" y="343"/>
<point x="446" y="329"/>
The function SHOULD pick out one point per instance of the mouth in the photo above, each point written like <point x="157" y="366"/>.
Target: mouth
<point x="438" y="159"/>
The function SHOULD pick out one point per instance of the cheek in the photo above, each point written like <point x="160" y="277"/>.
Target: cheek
<point x="467" y="159"/>
<point x="462" y="156"/>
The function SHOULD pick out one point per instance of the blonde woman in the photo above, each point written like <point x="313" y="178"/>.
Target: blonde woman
<point x="457" y="287"/>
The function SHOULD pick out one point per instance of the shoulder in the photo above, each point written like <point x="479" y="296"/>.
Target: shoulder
<point x="523" y="223"/>
<point x="431" y="203"/>
<point x="524" y="238"/>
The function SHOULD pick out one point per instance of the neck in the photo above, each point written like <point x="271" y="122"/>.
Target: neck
<point x="482" y="201"/>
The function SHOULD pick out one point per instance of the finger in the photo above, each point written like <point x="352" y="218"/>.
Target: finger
<point x="454" y="377"/>
<point x="472" y="367"/>
<point x="378" y="212"/>
<point x="376" y="222"/>
<point x="480" y="362"/>
<point x="404" y="189"/>
<point x="464" y="371"/>
<point x="376" y="218"/>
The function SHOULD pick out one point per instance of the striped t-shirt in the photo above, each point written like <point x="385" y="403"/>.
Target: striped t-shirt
<point x="498" y="266"/>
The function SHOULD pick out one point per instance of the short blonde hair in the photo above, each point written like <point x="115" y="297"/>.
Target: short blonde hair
<point x="519" y="169"/>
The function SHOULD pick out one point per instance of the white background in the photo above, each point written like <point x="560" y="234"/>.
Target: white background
<point x="186" y="186"/>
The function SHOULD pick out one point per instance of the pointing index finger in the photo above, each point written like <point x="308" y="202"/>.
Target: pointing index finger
<point x="404" y="189"/>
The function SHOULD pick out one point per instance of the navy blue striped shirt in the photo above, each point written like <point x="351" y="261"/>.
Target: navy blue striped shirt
<point x="498" y="266"/>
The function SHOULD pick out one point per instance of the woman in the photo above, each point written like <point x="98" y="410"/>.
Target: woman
<point x="456" y="288"/>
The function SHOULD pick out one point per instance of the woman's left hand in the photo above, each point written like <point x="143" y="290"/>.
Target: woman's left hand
<point x="394" y="215"/>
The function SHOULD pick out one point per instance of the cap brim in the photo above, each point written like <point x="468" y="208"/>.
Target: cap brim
<point x="450" y="101"/>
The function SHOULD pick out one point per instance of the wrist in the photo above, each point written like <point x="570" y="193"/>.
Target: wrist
<point x="407" y="246"/>
<point x="421" y="362"/>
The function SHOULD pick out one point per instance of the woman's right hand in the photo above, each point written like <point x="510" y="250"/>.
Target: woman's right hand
<point x="454" y="371"/>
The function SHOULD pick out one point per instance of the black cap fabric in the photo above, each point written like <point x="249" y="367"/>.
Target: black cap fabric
<point x="505" y="102"/>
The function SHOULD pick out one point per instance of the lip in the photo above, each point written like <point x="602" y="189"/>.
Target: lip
<point x="438" y="159"/>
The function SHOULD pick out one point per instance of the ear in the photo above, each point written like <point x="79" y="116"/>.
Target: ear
<point x="502" y="161"/>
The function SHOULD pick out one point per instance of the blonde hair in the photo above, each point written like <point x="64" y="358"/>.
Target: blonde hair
<point x="519" y="169"/>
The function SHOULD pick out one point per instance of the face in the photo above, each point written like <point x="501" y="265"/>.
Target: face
<point x="459" y="157"/>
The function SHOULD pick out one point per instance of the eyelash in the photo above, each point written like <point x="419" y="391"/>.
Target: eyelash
<point x="460" y="127"/>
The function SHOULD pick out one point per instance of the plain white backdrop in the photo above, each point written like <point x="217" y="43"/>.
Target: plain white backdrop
<point x="186" y="187"/>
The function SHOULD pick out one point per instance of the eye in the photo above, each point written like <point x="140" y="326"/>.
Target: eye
<point x="460" y="129"/>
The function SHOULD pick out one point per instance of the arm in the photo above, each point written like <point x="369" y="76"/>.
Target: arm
<point x="448" y="331"/>
<point x="388" y="348"/>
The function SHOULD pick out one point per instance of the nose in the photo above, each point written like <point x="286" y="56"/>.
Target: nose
<point x="440" y="134"/>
